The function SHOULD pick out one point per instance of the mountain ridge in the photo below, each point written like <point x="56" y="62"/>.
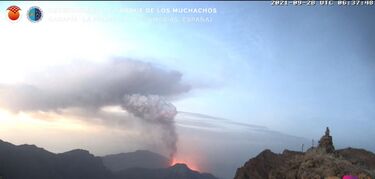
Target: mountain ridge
<point x="32" y="162"/>
<point x="177" y="171"/>
<point x="321" y="162"/>
<point x="136" y="159"/>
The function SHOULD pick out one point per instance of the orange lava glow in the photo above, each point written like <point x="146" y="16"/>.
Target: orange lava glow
<point x="189" y="162"/>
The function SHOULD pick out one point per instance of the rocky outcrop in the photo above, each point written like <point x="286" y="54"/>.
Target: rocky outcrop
<point x="326" y="143"/>
<point x="322" y="162"/>
<point x="266" y="165"/>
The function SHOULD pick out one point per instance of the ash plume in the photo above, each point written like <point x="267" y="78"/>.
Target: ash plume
<point x="82" y="89"/>
<point x="156" y="110"/>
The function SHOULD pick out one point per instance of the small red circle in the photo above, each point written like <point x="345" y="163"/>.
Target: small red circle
<point x="13" y="15"/>
<point x="13" y="12"/>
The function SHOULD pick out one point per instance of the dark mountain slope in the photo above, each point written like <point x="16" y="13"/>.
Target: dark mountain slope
<point x="178" y="171"/>
<point x="31" y="162"/>
<point x="137" y="159"/>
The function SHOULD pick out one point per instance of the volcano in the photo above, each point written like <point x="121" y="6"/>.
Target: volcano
<point x="32" y="162"/>
<point x="177" y="171"/>
<point x="189" y="163"/>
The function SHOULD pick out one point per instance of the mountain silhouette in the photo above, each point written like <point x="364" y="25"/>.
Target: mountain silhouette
<point x="137" y="159"/>
<point x="32" y="162"/>
<point x="178" y="171"/>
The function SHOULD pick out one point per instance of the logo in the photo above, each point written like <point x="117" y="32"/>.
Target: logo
<point x="14" y="13"/>
<point x="34" y="14"/>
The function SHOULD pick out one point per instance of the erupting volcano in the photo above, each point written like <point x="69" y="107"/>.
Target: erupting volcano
<point x="189" y="163"/>
<point x="155" y="109"/>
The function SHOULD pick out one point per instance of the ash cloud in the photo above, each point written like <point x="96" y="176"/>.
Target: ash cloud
<point x="142" y="89"/>
<point x="155" y="109"/>
<point x="90" y="85"/>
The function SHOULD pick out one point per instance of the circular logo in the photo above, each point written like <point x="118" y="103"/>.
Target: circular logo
<point x="34" y="14"/>
<point x="14" y="13"/>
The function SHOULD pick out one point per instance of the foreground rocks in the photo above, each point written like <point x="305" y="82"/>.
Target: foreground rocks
<point x="322" y="162"/>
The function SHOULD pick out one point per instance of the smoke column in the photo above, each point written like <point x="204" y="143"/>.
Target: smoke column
<point x="156" y="110"/>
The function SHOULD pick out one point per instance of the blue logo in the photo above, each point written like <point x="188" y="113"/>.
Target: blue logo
<point x="35" y="14"/>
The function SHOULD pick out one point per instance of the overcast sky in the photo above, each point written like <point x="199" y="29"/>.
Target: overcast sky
<point x="248" y="76"/>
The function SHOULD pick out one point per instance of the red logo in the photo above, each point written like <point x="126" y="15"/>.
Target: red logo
<point x="14" y="13"/>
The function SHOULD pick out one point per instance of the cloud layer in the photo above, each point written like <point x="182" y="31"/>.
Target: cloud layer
<point x="89" y="85"/>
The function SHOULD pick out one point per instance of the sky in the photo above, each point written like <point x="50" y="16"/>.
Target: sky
<point x="247" y="77"/>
